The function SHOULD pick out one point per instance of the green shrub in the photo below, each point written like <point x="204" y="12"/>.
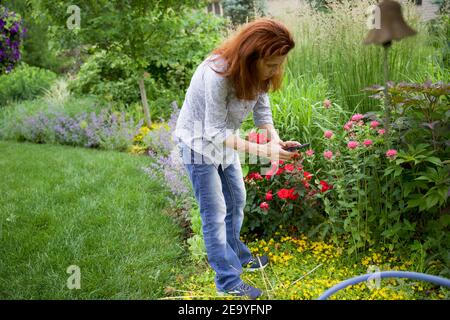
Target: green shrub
<point x="111" y="75"/>
<point x="24" y="83"/>
<point x="241" y="11"/>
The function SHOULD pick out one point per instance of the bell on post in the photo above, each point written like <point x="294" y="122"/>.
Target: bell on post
<point x="392" y="25"/>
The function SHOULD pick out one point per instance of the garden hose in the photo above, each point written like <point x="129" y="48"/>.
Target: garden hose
<point x="386" y="274"/>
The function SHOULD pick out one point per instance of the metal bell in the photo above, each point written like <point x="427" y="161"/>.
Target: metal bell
<point x="392" y="25"/>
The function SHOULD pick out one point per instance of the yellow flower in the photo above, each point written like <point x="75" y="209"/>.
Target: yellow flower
<point x="159" y="125"/>
<point x="83" y="124"/>
<point x="144" y="130"/>
<point x="136" y="149"/>
<point x="138" y="138"/>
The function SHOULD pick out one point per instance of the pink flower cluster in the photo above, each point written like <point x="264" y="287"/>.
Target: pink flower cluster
<point x="327" y="154"/>
<point x="391" y="154"/>
<point x="328" y="134"/>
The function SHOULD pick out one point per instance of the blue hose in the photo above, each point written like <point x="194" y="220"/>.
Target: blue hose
<point x="386" y="274"/>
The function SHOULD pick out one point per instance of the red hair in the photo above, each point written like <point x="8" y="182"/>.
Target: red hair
<point x="255" y="40"/>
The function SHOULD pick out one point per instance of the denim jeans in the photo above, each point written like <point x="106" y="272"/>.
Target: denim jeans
<point x="221" y="197"/>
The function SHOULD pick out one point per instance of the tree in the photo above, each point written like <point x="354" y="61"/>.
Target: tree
<point x="138" y="29"/>
<point x="241" y="11"/>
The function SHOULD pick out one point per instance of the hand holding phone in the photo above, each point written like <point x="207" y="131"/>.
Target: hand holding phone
<point x="298" y="147"/>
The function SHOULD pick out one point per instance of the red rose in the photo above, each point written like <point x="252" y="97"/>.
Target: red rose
<point x="283" y="193"/>
<point x="264" y="206"/>
<point x="307" y="175"/>
<point x="287" y="194"/>
<point x="269" y="195"/>
<point x="292" y="194"/>
<point x="289" y="167"/>
<point x="254" y="176"/>
<point x="325" y="186"/>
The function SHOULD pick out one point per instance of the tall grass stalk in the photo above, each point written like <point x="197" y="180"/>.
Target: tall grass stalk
<point x="329" y="45"/>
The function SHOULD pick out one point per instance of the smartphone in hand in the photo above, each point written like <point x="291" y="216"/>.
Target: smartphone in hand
<point x="301" y="146"/>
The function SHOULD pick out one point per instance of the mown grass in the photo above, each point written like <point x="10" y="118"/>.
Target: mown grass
<point x="63" y="206"/>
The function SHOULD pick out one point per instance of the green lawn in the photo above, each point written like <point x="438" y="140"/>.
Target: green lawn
<point x="63" y="206"/>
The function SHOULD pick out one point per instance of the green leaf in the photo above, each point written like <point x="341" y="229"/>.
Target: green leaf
<point x="434" y="160"/>
<point x="432" y="200"/>
<point x="412" y="203"/>
<point x="245" y="170"/>
<point x="388" y="171"/>
<point x="424" y="178"/>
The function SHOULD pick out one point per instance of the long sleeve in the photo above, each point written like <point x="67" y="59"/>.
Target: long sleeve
<point x="216" y="115"/>
<point x="261" y="112"/>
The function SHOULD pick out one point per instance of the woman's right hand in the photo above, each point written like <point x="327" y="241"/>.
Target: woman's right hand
<point x="274" y="151"/>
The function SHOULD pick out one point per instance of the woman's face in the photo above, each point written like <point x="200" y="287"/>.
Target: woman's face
<point x="268" y="66"/>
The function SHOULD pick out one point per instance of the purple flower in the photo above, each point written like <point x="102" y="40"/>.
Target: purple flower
<point x="14" y="28"/>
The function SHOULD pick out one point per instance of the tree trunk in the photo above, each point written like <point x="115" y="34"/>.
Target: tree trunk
<point x="145" y="102"/>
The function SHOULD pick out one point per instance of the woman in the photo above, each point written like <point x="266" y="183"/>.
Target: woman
<point x="224" y="89"/>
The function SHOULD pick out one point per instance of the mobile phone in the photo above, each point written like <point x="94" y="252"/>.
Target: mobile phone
<point x="301" y="146"/>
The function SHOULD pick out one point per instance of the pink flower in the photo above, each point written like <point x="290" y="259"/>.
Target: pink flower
<point x="264" y="206"/>
<point x="328" y="154"/>
<point x="368" y="142"/>
<point x="348" y="126"/>
<point x="326" y="103"/>
<point x="269" y="195"/>
<point x="374" y="124"/>
<point x="391" y="154"/>
<point x="381" y="132"/>
<point x="328" y="134"/>
<point x="309" y="152"/>
<point x="357" y="117"/>
<point x="352" y="144"/>
<point x="360" y="123"/>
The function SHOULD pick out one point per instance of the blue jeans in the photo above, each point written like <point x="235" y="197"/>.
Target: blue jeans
<point x="221" y="197"/>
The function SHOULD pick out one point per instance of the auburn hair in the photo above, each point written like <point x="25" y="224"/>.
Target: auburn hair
<point x="261" y="38"/>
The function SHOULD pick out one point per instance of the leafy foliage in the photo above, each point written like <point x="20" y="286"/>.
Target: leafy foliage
<point x="110" y="74"/>
<point x="241" y="11"/>
<point x="25" y="82"/>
